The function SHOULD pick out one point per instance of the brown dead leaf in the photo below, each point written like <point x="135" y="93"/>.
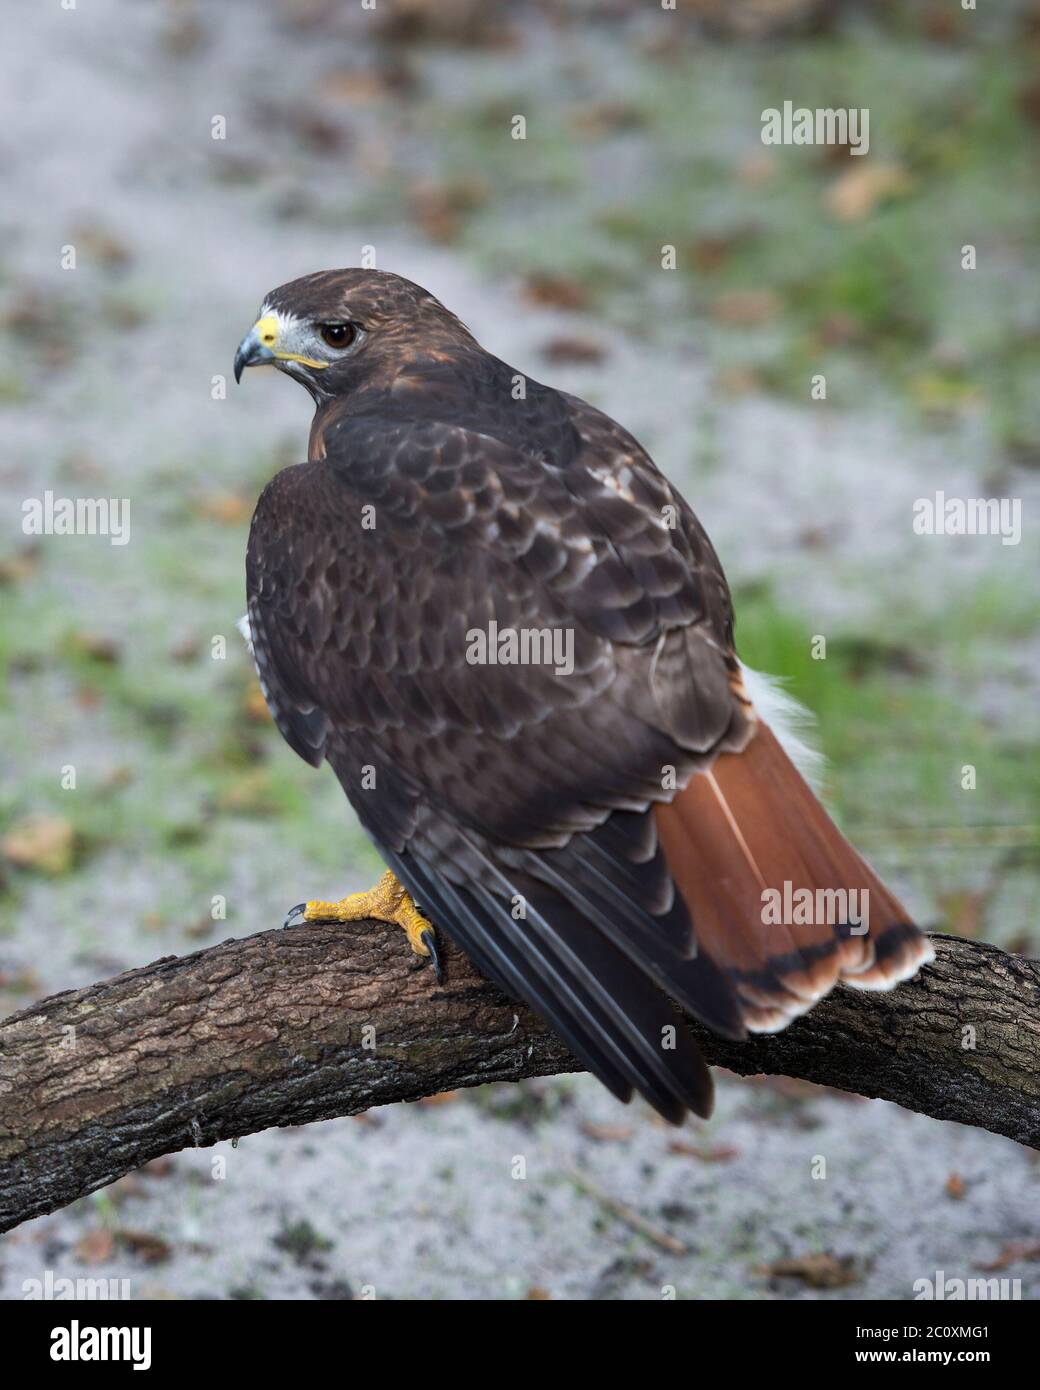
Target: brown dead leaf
<point x="130" y="1185"/>
<point x="738" y="381"/>
<point x="20" y="982"/>
<point x="940" y="22"/>
<point x="710" y="253"/>
<point x="555" y="291"/>
<point x="955" y="1187"/>
<point x="1029" y="101"/>
<point x="964" y="913"/>
<point x="98" y="647"/>
<point x="536" y="1294"/>
<point x="249" y="794"/>
<point x="101" y="246"/>
<point x="153" y="1250"/>
<point x="352" y="87"/>
<point x="186" y="650"/>
<point x="856" y="194"/>
<point x="440" y="206"/>
<point x="15" y="569"/>
<point x="822" y="1271"/>
<point x="722" y="1154"/>
<point x="758" y="169"/>
<point x="606" y="1134"/>
<point x="95" y="1247"/>
<point x="45" y="843"/>
<point x="604" y="117"/>
<point x="746" y="308"/>
<point x="470" y="23"/>
<point x="571" y="348"/>
<point x="184" y="35"/>
<point x="1011" y="1254"/>
<point x="229" y="508"/>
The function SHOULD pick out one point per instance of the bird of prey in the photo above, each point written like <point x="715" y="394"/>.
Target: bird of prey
<point x="485" y="607"/>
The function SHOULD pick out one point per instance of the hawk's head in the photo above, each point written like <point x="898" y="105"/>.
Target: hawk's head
<point x="333" y="329"/>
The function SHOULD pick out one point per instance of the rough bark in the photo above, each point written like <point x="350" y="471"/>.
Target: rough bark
<point x="312" y="1022"/>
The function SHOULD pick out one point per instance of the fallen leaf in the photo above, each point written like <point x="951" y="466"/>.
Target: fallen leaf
<point x="757" y="169"/>
<point x="46" y="843"/>
<point x="20" y="566"/>
<point x="746" y="308"/>
<point x="555" y="291"/>
<point x="710" y="253"/>
<point x="187" y="649"/>
<point x="1011" y="1254"/>
<point x="1029" y="101"/>
<point x="95" y="1247"/>
<point x="822" y="1271"/>
<point x="229" y="508"/>
<point x="20" y="982"/>
<point x="607" y="1134"/>
<point x="249" y="793"/>
<point x="183" y="35"/>
<point x="97" y="647"/>
<point x="535" y="1294"/>
<point x="856" y="194"/>
<point x="573" y="349"/>
<point x="102" y="246"/>
<point x="722" y="1154"/>
<point x="738" y="381"/>
<point x="151" y="1249"/>
<point x="955" y="1187"/>
<point x="474" y="23"/>
<point x="607" y="116"/>
<point x="354" y="87"/>
<point x="160" y="1167"/>
<point x="439" y="207"/>
<point x="963" y="913"/>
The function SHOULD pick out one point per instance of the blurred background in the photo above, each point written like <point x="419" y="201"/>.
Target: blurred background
<point x="339" y="129"/>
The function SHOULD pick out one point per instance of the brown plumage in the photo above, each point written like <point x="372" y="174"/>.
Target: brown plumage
<point x="544" y="820"/>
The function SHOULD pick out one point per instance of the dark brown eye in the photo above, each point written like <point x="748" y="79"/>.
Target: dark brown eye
<point x="338" y="335"/>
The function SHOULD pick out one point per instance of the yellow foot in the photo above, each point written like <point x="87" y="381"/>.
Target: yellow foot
<point x="386" y="902"/>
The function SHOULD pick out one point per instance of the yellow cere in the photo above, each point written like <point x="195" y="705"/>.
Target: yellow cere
<point x="266" y="329"/>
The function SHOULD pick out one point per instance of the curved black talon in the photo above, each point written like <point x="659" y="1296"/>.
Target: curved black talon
<point x="430" y="942"/>
<point x="300" y="907"/>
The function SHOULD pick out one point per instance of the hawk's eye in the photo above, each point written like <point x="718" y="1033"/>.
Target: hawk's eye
<point x="337" y="335"/>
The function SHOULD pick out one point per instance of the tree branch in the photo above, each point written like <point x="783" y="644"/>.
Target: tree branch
<point x="312" y="1022"/>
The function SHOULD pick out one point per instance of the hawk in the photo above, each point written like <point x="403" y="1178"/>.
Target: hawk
<point x="483" y="605"/>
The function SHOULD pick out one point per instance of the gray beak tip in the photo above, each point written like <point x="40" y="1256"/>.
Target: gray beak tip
<point x="251" y="353"/>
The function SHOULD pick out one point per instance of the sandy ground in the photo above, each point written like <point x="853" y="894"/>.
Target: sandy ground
<point x="105" y="130"/>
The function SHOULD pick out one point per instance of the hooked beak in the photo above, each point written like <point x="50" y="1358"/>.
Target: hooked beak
<point x="251" y="353"/>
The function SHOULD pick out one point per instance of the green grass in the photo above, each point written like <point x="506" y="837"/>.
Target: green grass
<point x="871" y="302"/>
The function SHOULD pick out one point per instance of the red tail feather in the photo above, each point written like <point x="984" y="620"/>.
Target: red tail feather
<point x="778" y="897"/>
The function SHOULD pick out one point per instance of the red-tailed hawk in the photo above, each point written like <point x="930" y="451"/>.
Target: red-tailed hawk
<point x="483" y="605"/>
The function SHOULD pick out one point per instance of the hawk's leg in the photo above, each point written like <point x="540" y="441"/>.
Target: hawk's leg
<point x="388" y="901"/>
